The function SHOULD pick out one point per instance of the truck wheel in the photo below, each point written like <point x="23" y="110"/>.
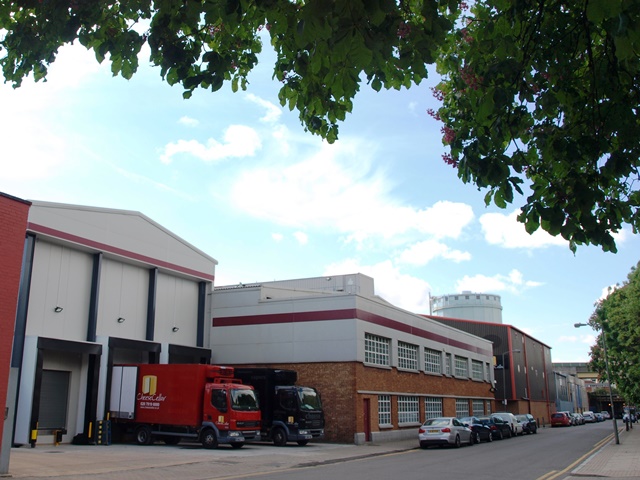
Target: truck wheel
<point x="279" y="437"/>
<point x="209" y="439"/>
<point x="143" y="435"/>
<point x="302" y="443"/>
<point x="237" y="445"/>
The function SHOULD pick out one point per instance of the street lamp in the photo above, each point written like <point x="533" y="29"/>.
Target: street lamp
<point x="606" y="363"/>
<point x="504" y="379"/>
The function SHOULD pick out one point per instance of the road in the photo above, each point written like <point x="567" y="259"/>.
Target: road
<point x="551" y="454"/>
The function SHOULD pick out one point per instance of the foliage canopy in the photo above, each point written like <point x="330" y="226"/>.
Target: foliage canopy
<point x="539" y="98"/>
<point x="618" y="318"/>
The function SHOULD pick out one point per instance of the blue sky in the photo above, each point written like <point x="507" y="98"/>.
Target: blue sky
<point x="237" y="176"/>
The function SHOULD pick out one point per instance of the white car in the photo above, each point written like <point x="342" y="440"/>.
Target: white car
<point x="444" y="431"/>
<point x="510" y="418"/>
<point x="589" y="417"/>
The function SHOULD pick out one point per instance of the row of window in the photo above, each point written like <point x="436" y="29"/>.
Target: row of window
<point x="409" y="408"/>
<point x="377" y="351"/>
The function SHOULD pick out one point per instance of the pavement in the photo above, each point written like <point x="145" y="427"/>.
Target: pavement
<point x="134" y="462"/>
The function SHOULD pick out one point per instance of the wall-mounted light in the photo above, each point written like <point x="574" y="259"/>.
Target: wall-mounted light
<point x="175" y="329"/>
<point x="58" y="309"/>
<point x="121" y="319"/>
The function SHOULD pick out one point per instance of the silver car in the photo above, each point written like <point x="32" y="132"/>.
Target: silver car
<point x="444" y="431"/>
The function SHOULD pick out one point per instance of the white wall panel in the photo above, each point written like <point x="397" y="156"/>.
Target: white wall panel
<point x="61" y="277"/>
<point x="176" y="306"/>
<point x="123" y="294"/>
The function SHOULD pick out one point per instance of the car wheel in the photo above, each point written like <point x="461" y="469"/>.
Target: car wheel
<point x="279" y="437"/>
<point x="490" y="438"/>
<point x="143" y="435"/>
<point x="423" y="445"/>
<point x="476" y="437"/>
<point x="509" y="434"/>
<point x="209" y="439"/>
<point x="457" y="444"/>
<point x="535" y="430"/>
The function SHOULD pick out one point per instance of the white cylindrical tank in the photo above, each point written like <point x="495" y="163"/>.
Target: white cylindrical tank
<point x="483" y="307"/>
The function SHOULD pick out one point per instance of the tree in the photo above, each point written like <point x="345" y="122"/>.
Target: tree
<point x="539" y="98"/>
<point x="618" y="316"/>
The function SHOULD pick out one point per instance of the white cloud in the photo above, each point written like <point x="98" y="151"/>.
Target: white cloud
<point x="506" y="231"/>
<point x="273" y="112"/>
<point x="239" y="141"/>
<point x="277" y="237"/>
<point x="337" y="189"/>
<point x="422" y="253"/>
<point x="512" y="282"/>
<point x="188" y="121"/>
<point x="301" y="237"/>
<point x="404" y="291"/>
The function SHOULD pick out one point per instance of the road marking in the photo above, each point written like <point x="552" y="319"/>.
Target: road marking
<point x="555" y="474"/>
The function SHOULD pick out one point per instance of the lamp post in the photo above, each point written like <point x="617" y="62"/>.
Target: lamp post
<point x="606" y="363"/>
<point x="504" y="377"/>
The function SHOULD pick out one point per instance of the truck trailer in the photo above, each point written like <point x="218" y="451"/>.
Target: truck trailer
<point x="290" y="413"/>
<point x="168" y="402"/>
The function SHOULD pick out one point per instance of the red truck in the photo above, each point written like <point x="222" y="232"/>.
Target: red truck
<point x="174" y="401"/>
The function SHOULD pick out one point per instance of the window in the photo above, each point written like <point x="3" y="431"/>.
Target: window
<point x="462" y="408"/>
<point x="376" y="349"/>
<point x="488" y="403"/>
<point x="384" y="409"/>
<point x="478" y="407"/>
<point x="408" y="409"/>
<point x="462" y="367"/>
<point x="407" y="356"/>
<point x="447" y="364"/>
<point x="487" y="372"/>
<point x="432" y="361"/>
<point x="432" y="407"/>
<point x="477" y="370"/>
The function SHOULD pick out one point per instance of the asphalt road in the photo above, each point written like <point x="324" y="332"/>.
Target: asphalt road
<point x="545" y="456"/>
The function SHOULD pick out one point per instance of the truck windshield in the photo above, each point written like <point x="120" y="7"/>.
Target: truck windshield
<point x="244" y="399"/>
<point x="309" y="399"/>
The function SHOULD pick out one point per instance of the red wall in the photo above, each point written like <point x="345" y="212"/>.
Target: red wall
<point x="13" y="218"/>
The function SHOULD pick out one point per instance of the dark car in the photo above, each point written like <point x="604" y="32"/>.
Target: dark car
<point x="529" y="424"/>
<point x="499" y="428"/>
<point x="481" y="432"/>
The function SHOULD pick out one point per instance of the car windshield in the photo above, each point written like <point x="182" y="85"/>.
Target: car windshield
<point x="244" y="399"/>
<point x="437" y="422"/>
<point x="309" y="399"/>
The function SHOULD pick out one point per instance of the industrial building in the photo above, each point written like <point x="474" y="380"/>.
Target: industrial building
<point x="94" y="287"/>
<point x="381" y="370"/>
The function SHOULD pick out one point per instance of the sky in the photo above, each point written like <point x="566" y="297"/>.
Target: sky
<point x="236" y="175"/>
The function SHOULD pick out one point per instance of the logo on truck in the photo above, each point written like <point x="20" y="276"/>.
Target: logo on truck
<point x="148" y="397"/>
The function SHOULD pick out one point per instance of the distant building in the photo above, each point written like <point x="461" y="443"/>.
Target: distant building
<point x="483" y="307"/>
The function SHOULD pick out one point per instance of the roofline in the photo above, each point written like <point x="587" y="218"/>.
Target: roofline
<point x="510" y="327"/>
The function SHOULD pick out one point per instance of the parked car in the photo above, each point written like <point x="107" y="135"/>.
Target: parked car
<point x="529" y="424"/>
<point x="578" y="419"/>
<point x="481" y="432"/>
<point x="444" y="431"/>
<point x="599" y="417"/>
<point x="589" y="417"/>
<point x="499" y="428"/>
<point x="606" y="415"/>
<point x="510" y="418"/>
<point x="560" y="419"/>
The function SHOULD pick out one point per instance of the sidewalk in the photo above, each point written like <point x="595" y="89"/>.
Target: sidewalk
<point x="614" y="461"/>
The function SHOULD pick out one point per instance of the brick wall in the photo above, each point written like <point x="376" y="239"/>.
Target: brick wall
<point x="339" y="384"/>
<point x="13" y="218"/>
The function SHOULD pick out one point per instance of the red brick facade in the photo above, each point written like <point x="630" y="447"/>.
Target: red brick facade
<point x="13" y="218"/>
<point x="344" y="387"/>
